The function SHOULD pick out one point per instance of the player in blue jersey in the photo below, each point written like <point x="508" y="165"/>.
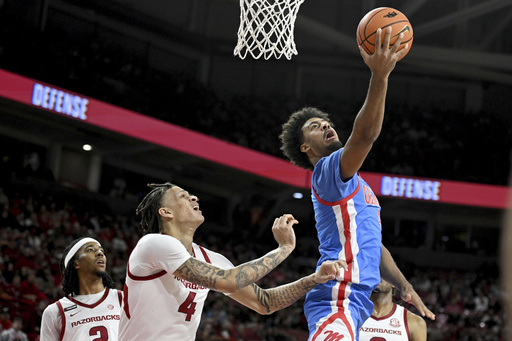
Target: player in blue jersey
<point x="347" y="212"/>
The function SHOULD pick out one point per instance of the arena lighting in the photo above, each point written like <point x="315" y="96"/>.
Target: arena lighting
<point x="297" y="195"/>
<point x="87" y="147"/>
<point x="88" y="110"/>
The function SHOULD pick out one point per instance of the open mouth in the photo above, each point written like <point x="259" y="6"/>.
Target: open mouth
<point x="329" y="135"/>
<point x="196" y="208"/>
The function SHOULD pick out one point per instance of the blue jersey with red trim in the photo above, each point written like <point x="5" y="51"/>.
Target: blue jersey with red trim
<point x="348" y="224"/>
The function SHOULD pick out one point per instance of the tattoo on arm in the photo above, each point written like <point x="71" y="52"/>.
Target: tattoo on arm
<point x="207" y="275"/>
<point x="284" y="295"/>
<point x="252" y="271"/>
<point x="200" y="273"/>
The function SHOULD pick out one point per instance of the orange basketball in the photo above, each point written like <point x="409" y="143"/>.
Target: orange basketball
<point x="384" y="17"/>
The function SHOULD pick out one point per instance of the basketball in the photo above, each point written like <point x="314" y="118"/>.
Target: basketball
<point x="384" y="17"/>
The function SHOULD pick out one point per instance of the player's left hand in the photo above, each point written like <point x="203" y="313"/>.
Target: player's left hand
<point x="410" y="296"/>
<point x="329" y="270"/>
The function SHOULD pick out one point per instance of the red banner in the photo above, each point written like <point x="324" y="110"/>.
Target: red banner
<point x="101" y="114"/>
<point x="445" y="191"/>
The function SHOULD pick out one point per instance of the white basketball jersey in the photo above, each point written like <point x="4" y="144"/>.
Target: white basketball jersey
<point x="392" y="327"/>
<point x="162" y="306"/>
<point x="91" y="322"/>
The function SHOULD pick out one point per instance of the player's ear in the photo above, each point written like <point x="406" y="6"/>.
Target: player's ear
<point x="164" y="212"/>
<point x="304" y="147"/>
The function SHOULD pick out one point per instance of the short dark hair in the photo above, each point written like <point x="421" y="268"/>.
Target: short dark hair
<point x="292" y="137"/>
<point x="70" y="283"/>
<point x="150" y="221"/>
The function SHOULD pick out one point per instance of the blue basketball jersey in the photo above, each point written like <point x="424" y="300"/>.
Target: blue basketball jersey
<point x="348" y="224"/>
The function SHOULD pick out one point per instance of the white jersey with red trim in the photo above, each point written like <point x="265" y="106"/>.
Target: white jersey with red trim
<point x="83" y="317"/>
<point x="157" y="304"/>
<point x="392" y="327"/>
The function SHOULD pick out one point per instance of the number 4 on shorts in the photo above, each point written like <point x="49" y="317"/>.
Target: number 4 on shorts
<point x="189" y="306"/>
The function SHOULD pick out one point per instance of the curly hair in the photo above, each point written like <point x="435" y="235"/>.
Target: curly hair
<point x="150" y="221"/>
<point x="292" y="137"/>
<point x="70" y="284"/>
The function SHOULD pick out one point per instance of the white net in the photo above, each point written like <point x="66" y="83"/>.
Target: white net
<point x="266" y="28"/>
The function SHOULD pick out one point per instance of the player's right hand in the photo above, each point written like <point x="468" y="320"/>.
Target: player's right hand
<point x="384" y="59"/>
<point x="283" y="231"/>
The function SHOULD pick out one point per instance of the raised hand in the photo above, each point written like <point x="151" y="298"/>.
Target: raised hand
<point x="283" y="231"/>
<point x="384" y="59"/>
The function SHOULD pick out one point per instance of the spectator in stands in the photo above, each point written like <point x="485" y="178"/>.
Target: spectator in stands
<point x="5" y="319"/>
<point x="15" y="333"/>
<point x="29" y="288"/>
<point x="481" y="301"/>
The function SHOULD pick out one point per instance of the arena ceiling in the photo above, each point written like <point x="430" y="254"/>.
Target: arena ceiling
<point x="464" y="39"/>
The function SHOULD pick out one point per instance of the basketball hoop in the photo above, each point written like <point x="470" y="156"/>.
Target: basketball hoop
<point x="266" y="28"/>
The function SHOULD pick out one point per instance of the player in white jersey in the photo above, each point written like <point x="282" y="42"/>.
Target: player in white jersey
<point x="169" y="276"/>
<point x="91" y="309"/>
<point x="390" y="321"/>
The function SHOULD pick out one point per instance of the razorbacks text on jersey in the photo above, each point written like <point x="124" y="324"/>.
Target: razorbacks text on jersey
<point x="392" y="327"/>
<point x="88" y="322"/>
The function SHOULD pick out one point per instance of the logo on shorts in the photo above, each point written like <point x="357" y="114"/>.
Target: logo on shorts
<point x="333" y="336"/>
<point x="394" y="323"/>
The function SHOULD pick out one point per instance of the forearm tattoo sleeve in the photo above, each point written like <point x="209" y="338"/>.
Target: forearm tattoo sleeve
<point x="284" y="295"/>
<point x="209" y="276"/>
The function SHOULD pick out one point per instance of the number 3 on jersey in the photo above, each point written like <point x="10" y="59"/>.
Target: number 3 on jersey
<point x="189" y="306"/>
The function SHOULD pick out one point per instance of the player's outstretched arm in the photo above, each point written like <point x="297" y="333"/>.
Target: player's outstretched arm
<point x="390" y="272"/>
<point x="267" y="301"/>
<point x="232" y="280"/>
<point x="368" y="122"/>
